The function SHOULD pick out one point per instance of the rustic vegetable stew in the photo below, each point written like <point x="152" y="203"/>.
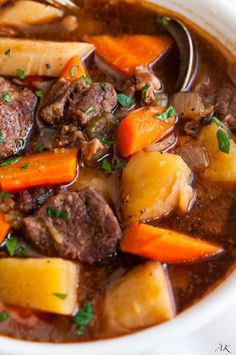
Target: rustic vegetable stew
<point x="117" y="190"/>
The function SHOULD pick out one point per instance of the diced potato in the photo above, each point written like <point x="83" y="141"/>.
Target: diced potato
<point x="38" y="57"/>
<point x="153" y="184"/>
<point x="26" y="12"/>
<point x="222" y="166"/>
<point x="33" y="283"/>
<point x="139" y="299"/>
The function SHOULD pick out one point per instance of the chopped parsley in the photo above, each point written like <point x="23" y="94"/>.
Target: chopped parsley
<point x="8" y="52"/>
<point x="6" y="195"/>
<point x="1" y="138"/>
<point x="41" y="147"/>
<point x="20" y="143"/>
<point x="73" y="70"/>
<point x="84" y="317"/>
<point x="48" y="66"/>
<point x="21" y="74"/>
<point x="107" y="142"/>
<point x="121" y="165"/>
<point x="25" y="166"/>
<point x="169" y="112"/>
<point x="56" y="213"/>
<point x="6" y="97"/>
<point x="222" y="137"/>
<point x="62" y="296"/>
<point x="124" y="100"/>
<point x="4" y="316"/>
<point x="39" y="93"/>
<point x="144" y="91"/>
<point x="103" y="87"/>
<point x="89" y="110"/>
<point x="164" y="21"/>
<point x="11" y="244"/>
<point x="22" y="251"/>
<point x="106" y="165"/>
<point x="86" y="79"/>
<point x="10" y="161"/>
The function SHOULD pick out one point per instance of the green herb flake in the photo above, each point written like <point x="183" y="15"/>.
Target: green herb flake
<point x="20" y="143"/>
<point x="11" y="244"/>
<point x="106" y="166"/>
<point x="6" y="97"/>
<point x="124" y="100"/>
<point x="25" y="166"/>
<point x="103" y="87"/>
<point x="216" y="120"/>
<point x="4" y="316"/>
<point x="89" y="110"/>
<point x="169" y="112"/>
<point x="6" y="195"/>
<point x="144" y="91"/>
<point x="1" y="138"/>
<point x="121" y="165"/>
<point x="40" y="148"/>
<point x="10" y="161"/>
<point x="86" y="79"/>
<point x="56" y="213"/>
<point x="84" y="317"/>
<point x="22" y="251"/>
<point x="48" y="66"/>
<point x="73" y="70"/>
<point x="21" y="74"/>
<point x="61" y="296"/>
<point x="8" y="52"/>
<point x="223" y="141"/>
<point x="107" y="142"/>
<point x="39" y="93"/>
<point x="164" y="21"/>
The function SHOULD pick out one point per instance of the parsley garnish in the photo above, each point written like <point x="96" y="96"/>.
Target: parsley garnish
<point x="8" y="52"/>
<point x="84" y="317"/>
<point x="216" y="120"/>
<point x="73" y="70"/>
<point x="56" y="213"/>
<point x="106" y="166"/>
<point x="169" y="112"/>
<point x="124" y="100"/>
<point x="164" y="21"/>
<point x="1" y="138"/>
<point x="107" y="142"/>
<point x="21" y="143"/>
<point x="6" y="97"/>
<point x="121" y="165"/>
<point x="10" y="161"/>
<point x="22" y="251"/>
<point x="39" y="93"/>
<point x="4" y="316"/>
<point x="144" y="91"/>
<point x="62" y="296"/>
<point x="86" y="79"/>
<point x="103" y="87"/>
<point x="25" y="166"/>
<point x="21" y="73"/>
<point x="89" y="110"/>
<point x="11" y="244"/>
<point x="223" y="141"/>
<point x="6" y="195"/>
<point x="40" y="147"/>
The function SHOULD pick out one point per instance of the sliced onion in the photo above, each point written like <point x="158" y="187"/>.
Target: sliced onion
<point x="164" y="145"/>
<point x="191" y="106"/>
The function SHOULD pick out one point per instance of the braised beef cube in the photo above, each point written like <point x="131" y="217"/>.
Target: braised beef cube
<point x="225" y="107"/>
<point x="74" y="225"/>
<point x="17" y="107"/>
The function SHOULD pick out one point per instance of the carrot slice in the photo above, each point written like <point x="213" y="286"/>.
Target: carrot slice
<point x="4" y="227"/>
<point x="73" y="70"/>
<point x="48" y="168"/>
<point x="124" y="53"/>
<point x="165" y="245"/>
<point x="141" y="128"/>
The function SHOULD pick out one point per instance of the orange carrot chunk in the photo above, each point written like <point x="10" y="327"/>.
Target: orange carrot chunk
<point x="165" y="245"/>
<point x="47" y="168"/>
<point x="73" y="70"/>
<point x="4" y="227"/>
<point x="141" y="128"/>
<point x="124" y="53"/>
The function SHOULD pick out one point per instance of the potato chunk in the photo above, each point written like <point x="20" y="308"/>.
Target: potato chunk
<point x="26" y="12"/>
<point x="139" y="299"/>
<point x="38" y="57"/>
<point x="153" y="184"/>
<point x="39" y="284"/>
<point x="222" y="166"/>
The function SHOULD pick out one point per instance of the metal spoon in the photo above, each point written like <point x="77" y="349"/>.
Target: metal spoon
<point x="64" y="3"/>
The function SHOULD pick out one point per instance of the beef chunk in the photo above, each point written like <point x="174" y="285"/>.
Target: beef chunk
<point x="225" y="107"/>
<point x="88" y="232"/>
<point x="78" y="101"/>
<point x="194" y="155"/>
<point x="17" y="106"/>
<point x="30" y="200"/>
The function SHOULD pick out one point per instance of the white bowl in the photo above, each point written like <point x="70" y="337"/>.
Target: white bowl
<point x="218" y="18"/>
